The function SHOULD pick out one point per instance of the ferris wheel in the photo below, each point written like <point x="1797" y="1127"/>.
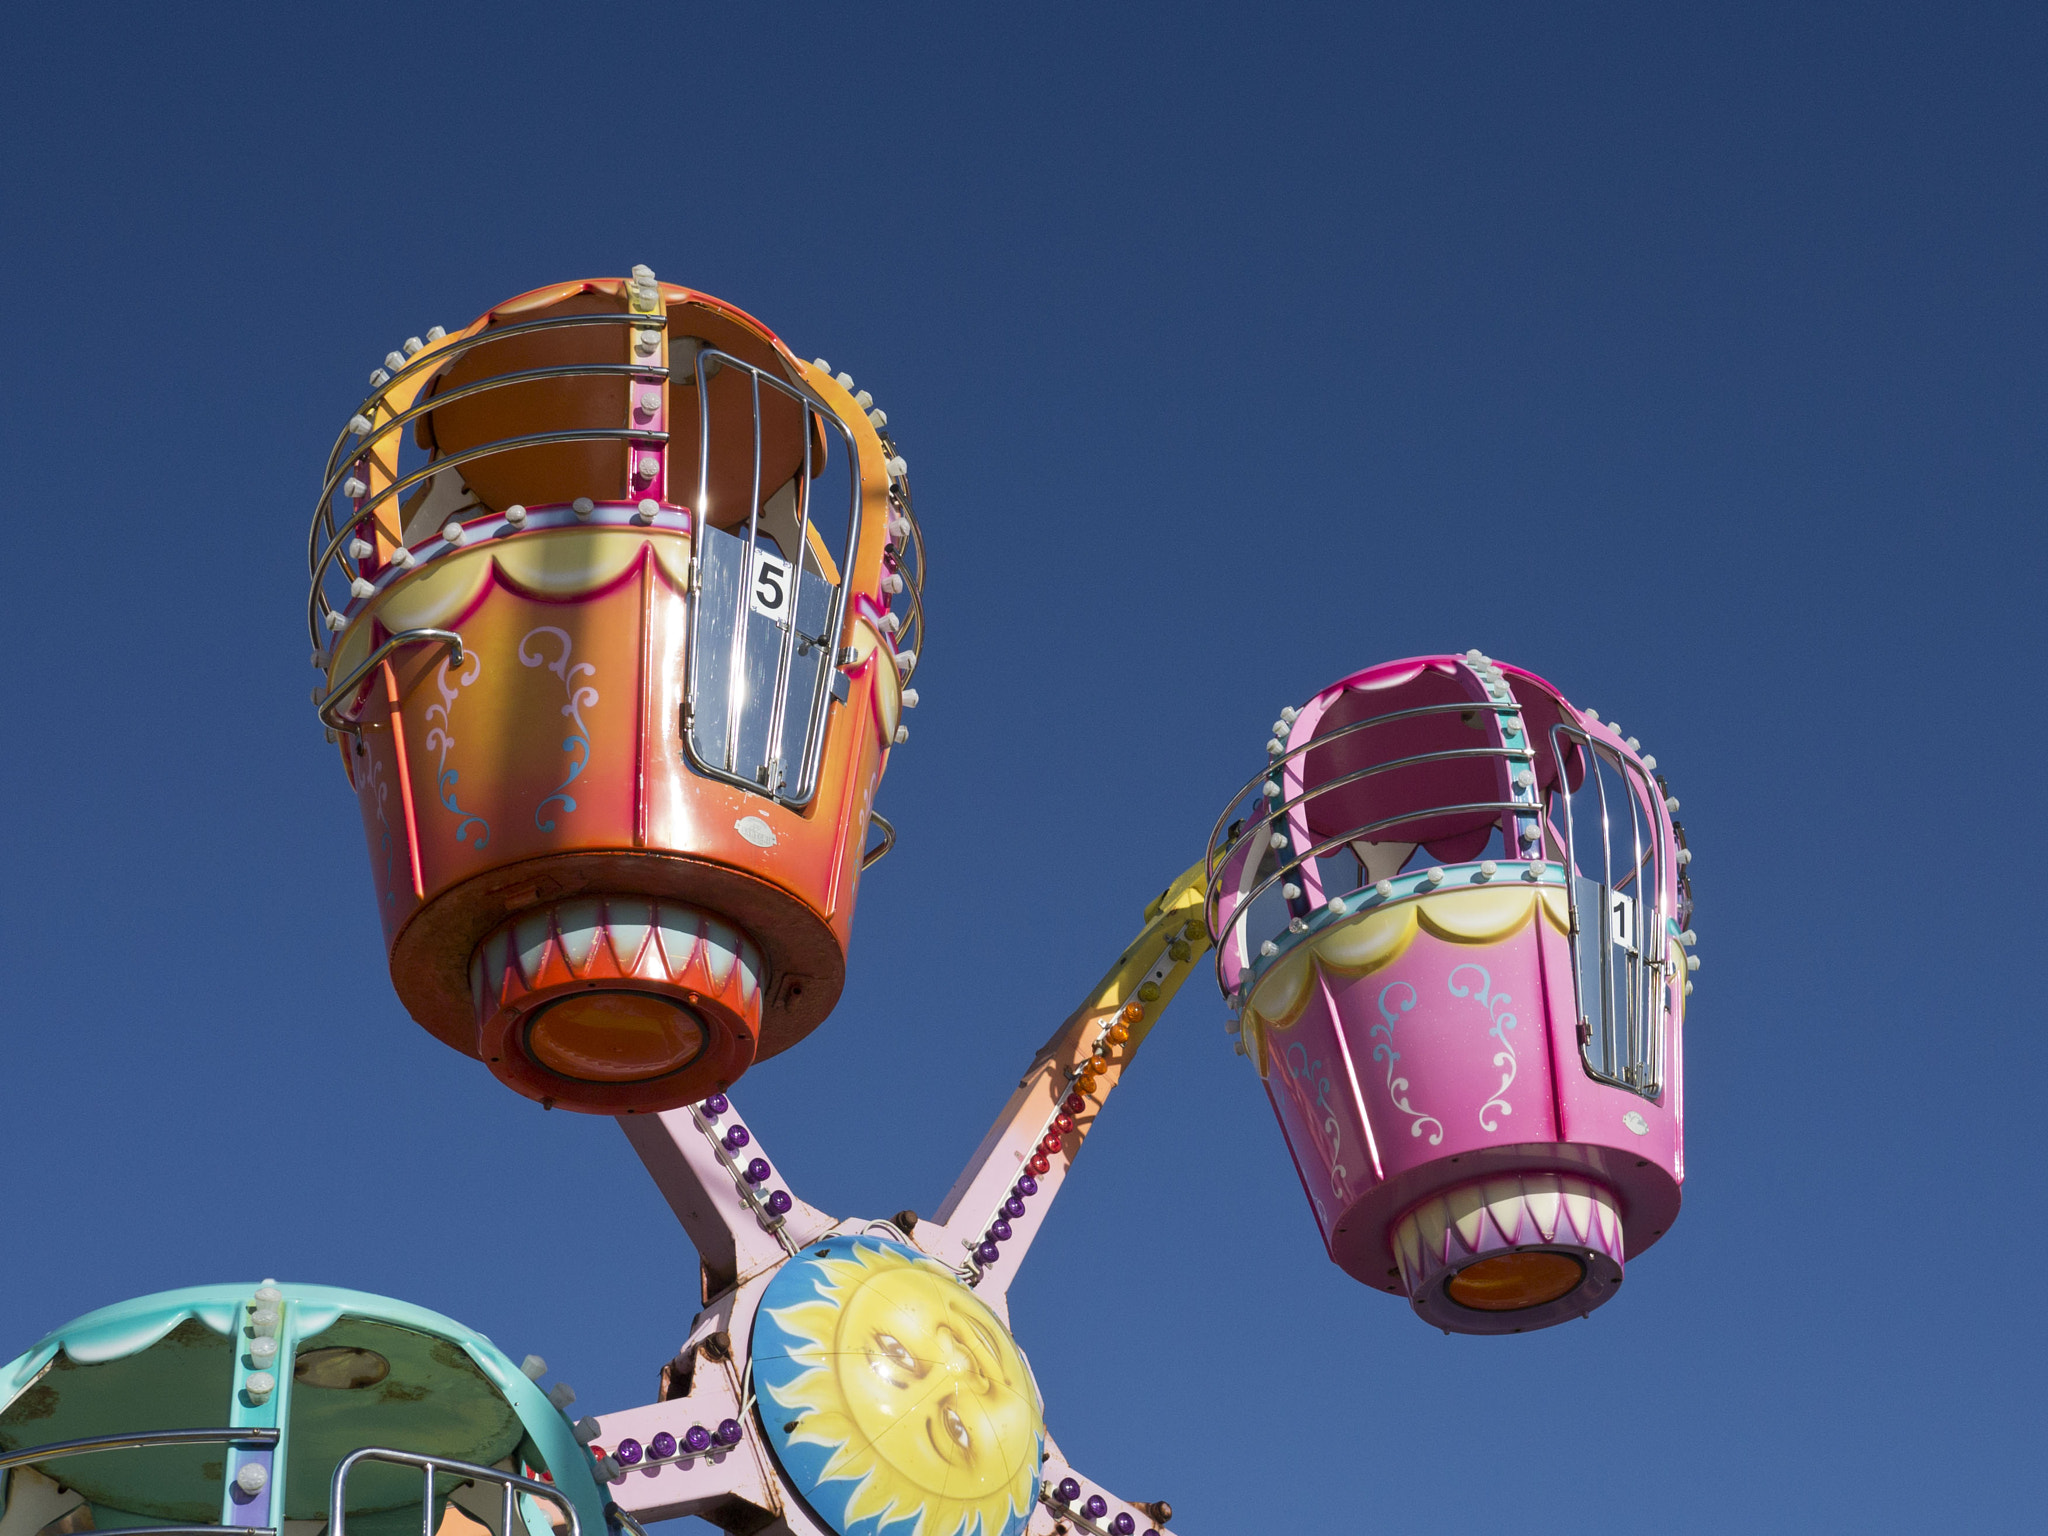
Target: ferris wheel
<point x="617" y="605"/>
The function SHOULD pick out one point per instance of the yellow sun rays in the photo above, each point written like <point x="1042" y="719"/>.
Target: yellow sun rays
<point x="915" y="1392"/>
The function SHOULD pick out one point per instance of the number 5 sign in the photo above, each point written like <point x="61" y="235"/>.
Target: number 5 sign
<point x="773" y="585"/>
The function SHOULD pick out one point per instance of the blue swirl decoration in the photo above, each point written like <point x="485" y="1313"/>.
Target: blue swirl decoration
<point x="577" y="742"/>
<point x="441" y="738"/>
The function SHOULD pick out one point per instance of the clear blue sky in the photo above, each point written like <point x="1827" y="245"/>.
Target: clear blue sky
<point x="1691" y="356"/>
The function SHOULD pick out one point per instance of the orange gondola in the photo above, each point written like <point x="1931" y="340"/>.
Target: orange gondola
<point x="632" y="600"/>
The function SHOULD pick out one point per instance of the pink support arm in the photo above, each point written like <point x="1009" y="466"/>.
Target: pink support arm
<point x="1143" y="979"/>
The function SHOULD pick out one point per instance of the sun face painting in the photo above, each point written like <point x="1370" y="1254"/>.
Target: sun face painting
<point x="893" y="1396"/>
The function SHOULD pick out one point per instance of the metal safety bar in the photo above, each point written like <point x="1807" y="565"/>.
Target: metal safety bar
<point x="771" y="776"/>
<point x="481" y="387"/>
<point x="145" y="1439"/>
<point x="1214" y="900"/>
<point x="1331" y="846"/>
<point x="370" y="663"/>
<point x="1274" y="763"/>
<point x="1643" y="999"/>
<point x="512" y="1483"/>
<point x="911" y="636"/>
<point x="1220" y="856"/>
<point x="317" y="606"/>
<point x="440" y="354"/>
<point x="343" y="459"/>
<point x="874" y="856"/>
<point x="355" y="452"/>
<point x="1274" y="812"/>
<point x="136" y="1441"/>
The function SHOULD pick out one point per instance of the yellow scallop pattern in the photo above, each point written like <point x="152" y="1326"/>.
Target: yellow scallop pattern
<point x="1360" y="945"/>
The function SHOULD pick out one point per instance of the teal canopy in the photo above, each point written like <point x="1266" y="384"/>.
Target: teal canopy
<point x="351" y="1370"/>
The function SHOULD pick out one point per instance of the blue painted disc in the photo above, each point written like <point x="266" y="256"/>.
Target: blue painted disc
<point x="895" y="1400"/>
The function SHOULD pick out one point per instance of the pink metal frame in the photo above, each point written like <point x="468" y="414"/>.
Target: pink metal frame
<point x="743" y="1242"/>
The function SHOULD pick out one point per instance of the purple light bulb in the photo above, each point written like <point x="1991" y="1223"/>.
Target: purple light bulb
<point x="716" y="1105"/>
<point x="758" y="1170"/>
<point x="628" y="1453"/>
<point x="999" y="1230"/>
<point x="662" y="1446"/>
<point x="728" y="1432"/>
<point x="1027" y="1185"/>
<point x="1096" y="1507"/>
<point x="779" y="1202"/>
<point x="1123" y="1524"/>
<point x="1068" y="1490"/>
<point x="1014" y="1206"/>
<point x="736" y="1138"/>
<point x="987" y="1253"/>
<point x="697" y="1438"/>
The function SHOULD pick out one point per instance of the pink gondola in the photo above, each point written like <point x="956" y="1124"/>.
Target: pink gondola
<point x="1453" y="920"/>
